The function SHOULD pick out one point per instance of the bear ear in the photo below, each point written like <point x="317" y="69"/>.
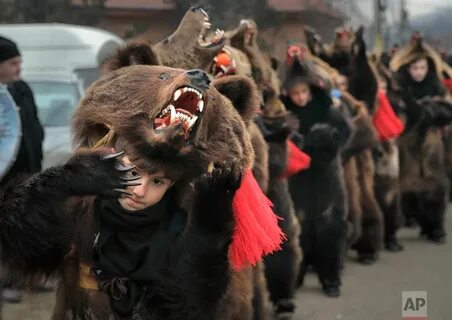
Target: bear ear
<point x="242" y="92"/>
<point x="133" y="53"/>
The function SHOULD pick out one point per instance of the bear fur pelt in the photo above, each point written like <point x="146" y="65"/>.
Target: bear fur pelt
<point x="281" y="268"/>
<point x="52" y="209"/>
<point x="318" y="193"/>
<point x="423" y="176"/>
<point x="194" y="53"/>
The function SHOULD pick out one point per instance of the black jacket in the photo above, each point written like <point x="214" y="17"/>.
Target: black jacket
<point x="29" y="156"/>
<point x="325" y="128"/>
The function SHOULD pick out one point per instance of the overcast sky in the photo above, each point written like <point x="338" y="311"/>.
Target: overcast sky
<point x="415" y="7"/>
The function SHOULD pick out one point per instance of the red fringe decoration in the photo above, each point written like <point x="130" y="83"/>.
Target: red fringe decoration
<point x="448" y="84"/>
<point x="297" y="161"/>
<point x="256" y="231"/>
<point x="385" y="120"/>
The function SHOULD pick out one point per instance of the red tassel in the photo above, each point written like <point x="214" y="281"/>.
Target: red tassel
<point x="448" y="84"/>
<point x="256" y="231"/>
<point x="297" y="161"/>
<point x="385" y="120"/>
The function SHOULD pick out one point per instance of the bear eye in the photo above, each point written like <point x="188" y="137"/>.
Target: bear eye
<point x="164" y="76"/>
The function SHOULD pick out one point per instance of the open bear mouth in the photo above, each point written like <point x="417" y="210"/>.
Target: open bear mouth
<point x="218" y="39"/>
<point x="185" y="108"/>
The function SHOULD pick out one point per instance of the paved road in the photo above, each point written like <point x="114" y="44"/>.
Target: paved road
<point x="368" y="293"/>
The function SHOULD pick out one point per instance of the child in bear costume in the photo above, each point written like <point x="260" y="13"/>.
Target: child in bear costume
<point x="166" y="249"/>
<point x="318" y="193"/>
<point x="419" y="97"/>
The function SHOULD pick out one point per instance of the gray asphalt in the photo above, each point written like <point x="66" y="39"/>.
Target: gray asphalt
<point x="368" y="292"/>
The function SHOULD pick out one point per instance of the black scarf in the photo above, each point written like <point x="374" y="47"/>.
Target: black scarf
<point x="429" y="87"/>
<point x="316" y="111"/>
<point x="131" y="247"/>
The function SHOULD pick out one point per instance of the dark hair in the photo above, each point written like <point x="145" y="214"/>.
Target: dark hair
<point x="121" y="144"/>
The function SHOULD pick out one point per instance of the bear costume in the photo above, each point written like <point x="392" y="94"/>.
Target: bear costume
<point x="61" y="212"/>
<point x="423" y="177"/>
<point x="281" y="268"/>
<point x="318" y="193"/>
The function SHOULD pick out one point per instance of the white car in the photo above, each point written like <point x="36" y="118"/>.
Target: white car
<point x="59" y="62"/>
<point x="56" y="98"/>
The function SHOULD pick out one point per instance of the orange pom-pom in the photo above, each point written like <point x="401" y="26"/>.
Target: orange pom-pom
<point x="223" y="59"/>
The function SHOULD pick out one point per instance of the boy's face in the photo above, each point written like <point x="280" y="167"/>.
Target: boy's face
<point x="342" y="83"/>
<point x="300" y="94"/>
<point x="418" y="70"/>
<point x="151" y="190"/>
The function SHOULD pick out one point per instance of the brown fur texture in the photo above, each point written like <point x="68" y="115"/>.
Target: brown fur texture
<point x="355" y="212"/>
<point x="416" y="49"/>
<point x="236" y="304"/>
<point x="423" y="182"/>
<point x="364" y="215"/>
<point x="208" y="134"/>
<point x="387" y="190"/>
<point x="372" y="219"/>
<point x="447" y="139"/>
<point x="191" y="55"/>
<point x="255" y="302"/>
<point x="350" y="56"/>
<point x="244" y="38"/>
<point x="282" y="267"/>
<point x="182" y="49"/>
<point x="102" y="109"/>
<point x="423" y="176"/>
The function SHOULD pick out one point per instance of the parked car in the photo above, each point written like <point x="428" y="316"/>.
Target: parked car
<point x="59" y="62"/>
<point x="56" y="100"/>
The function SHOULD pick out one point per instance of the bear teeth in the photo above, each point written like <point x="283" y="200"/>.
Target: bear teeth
<point x="173" y="112"/>
<point x="192" y="121"/>
<point x="177" y="94"/>
<point x="187" y="89"/>
<point x="200" y="105"/>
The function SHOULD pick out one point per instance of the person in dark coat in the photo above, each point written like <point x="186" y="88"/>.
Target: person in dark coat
<point x="29" y="156"/>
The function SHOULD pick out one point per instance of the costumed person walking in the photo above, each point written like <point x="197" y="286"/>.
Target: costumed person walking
<point x="423" y="179"/>
<point x="318" y="193"/>
<point x="29" y="157"/>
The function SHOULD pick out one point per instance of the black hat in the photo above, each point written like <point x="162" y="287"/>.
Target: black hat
<point x="8" y="49"/>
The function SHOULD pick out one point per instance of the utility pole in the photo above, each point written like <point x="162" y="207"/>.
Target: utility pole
<point x="379" y="24"/>
<point x="403" y="20"/>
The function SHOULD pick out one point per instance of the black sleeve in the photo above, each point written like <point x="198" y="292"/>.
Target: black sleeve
<point x="35" y="232"/>
<point x="438" y="113"/>
<point x="427" y="113"/>
<point x="34" y="110"/>
<point x="197" y="274"/>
